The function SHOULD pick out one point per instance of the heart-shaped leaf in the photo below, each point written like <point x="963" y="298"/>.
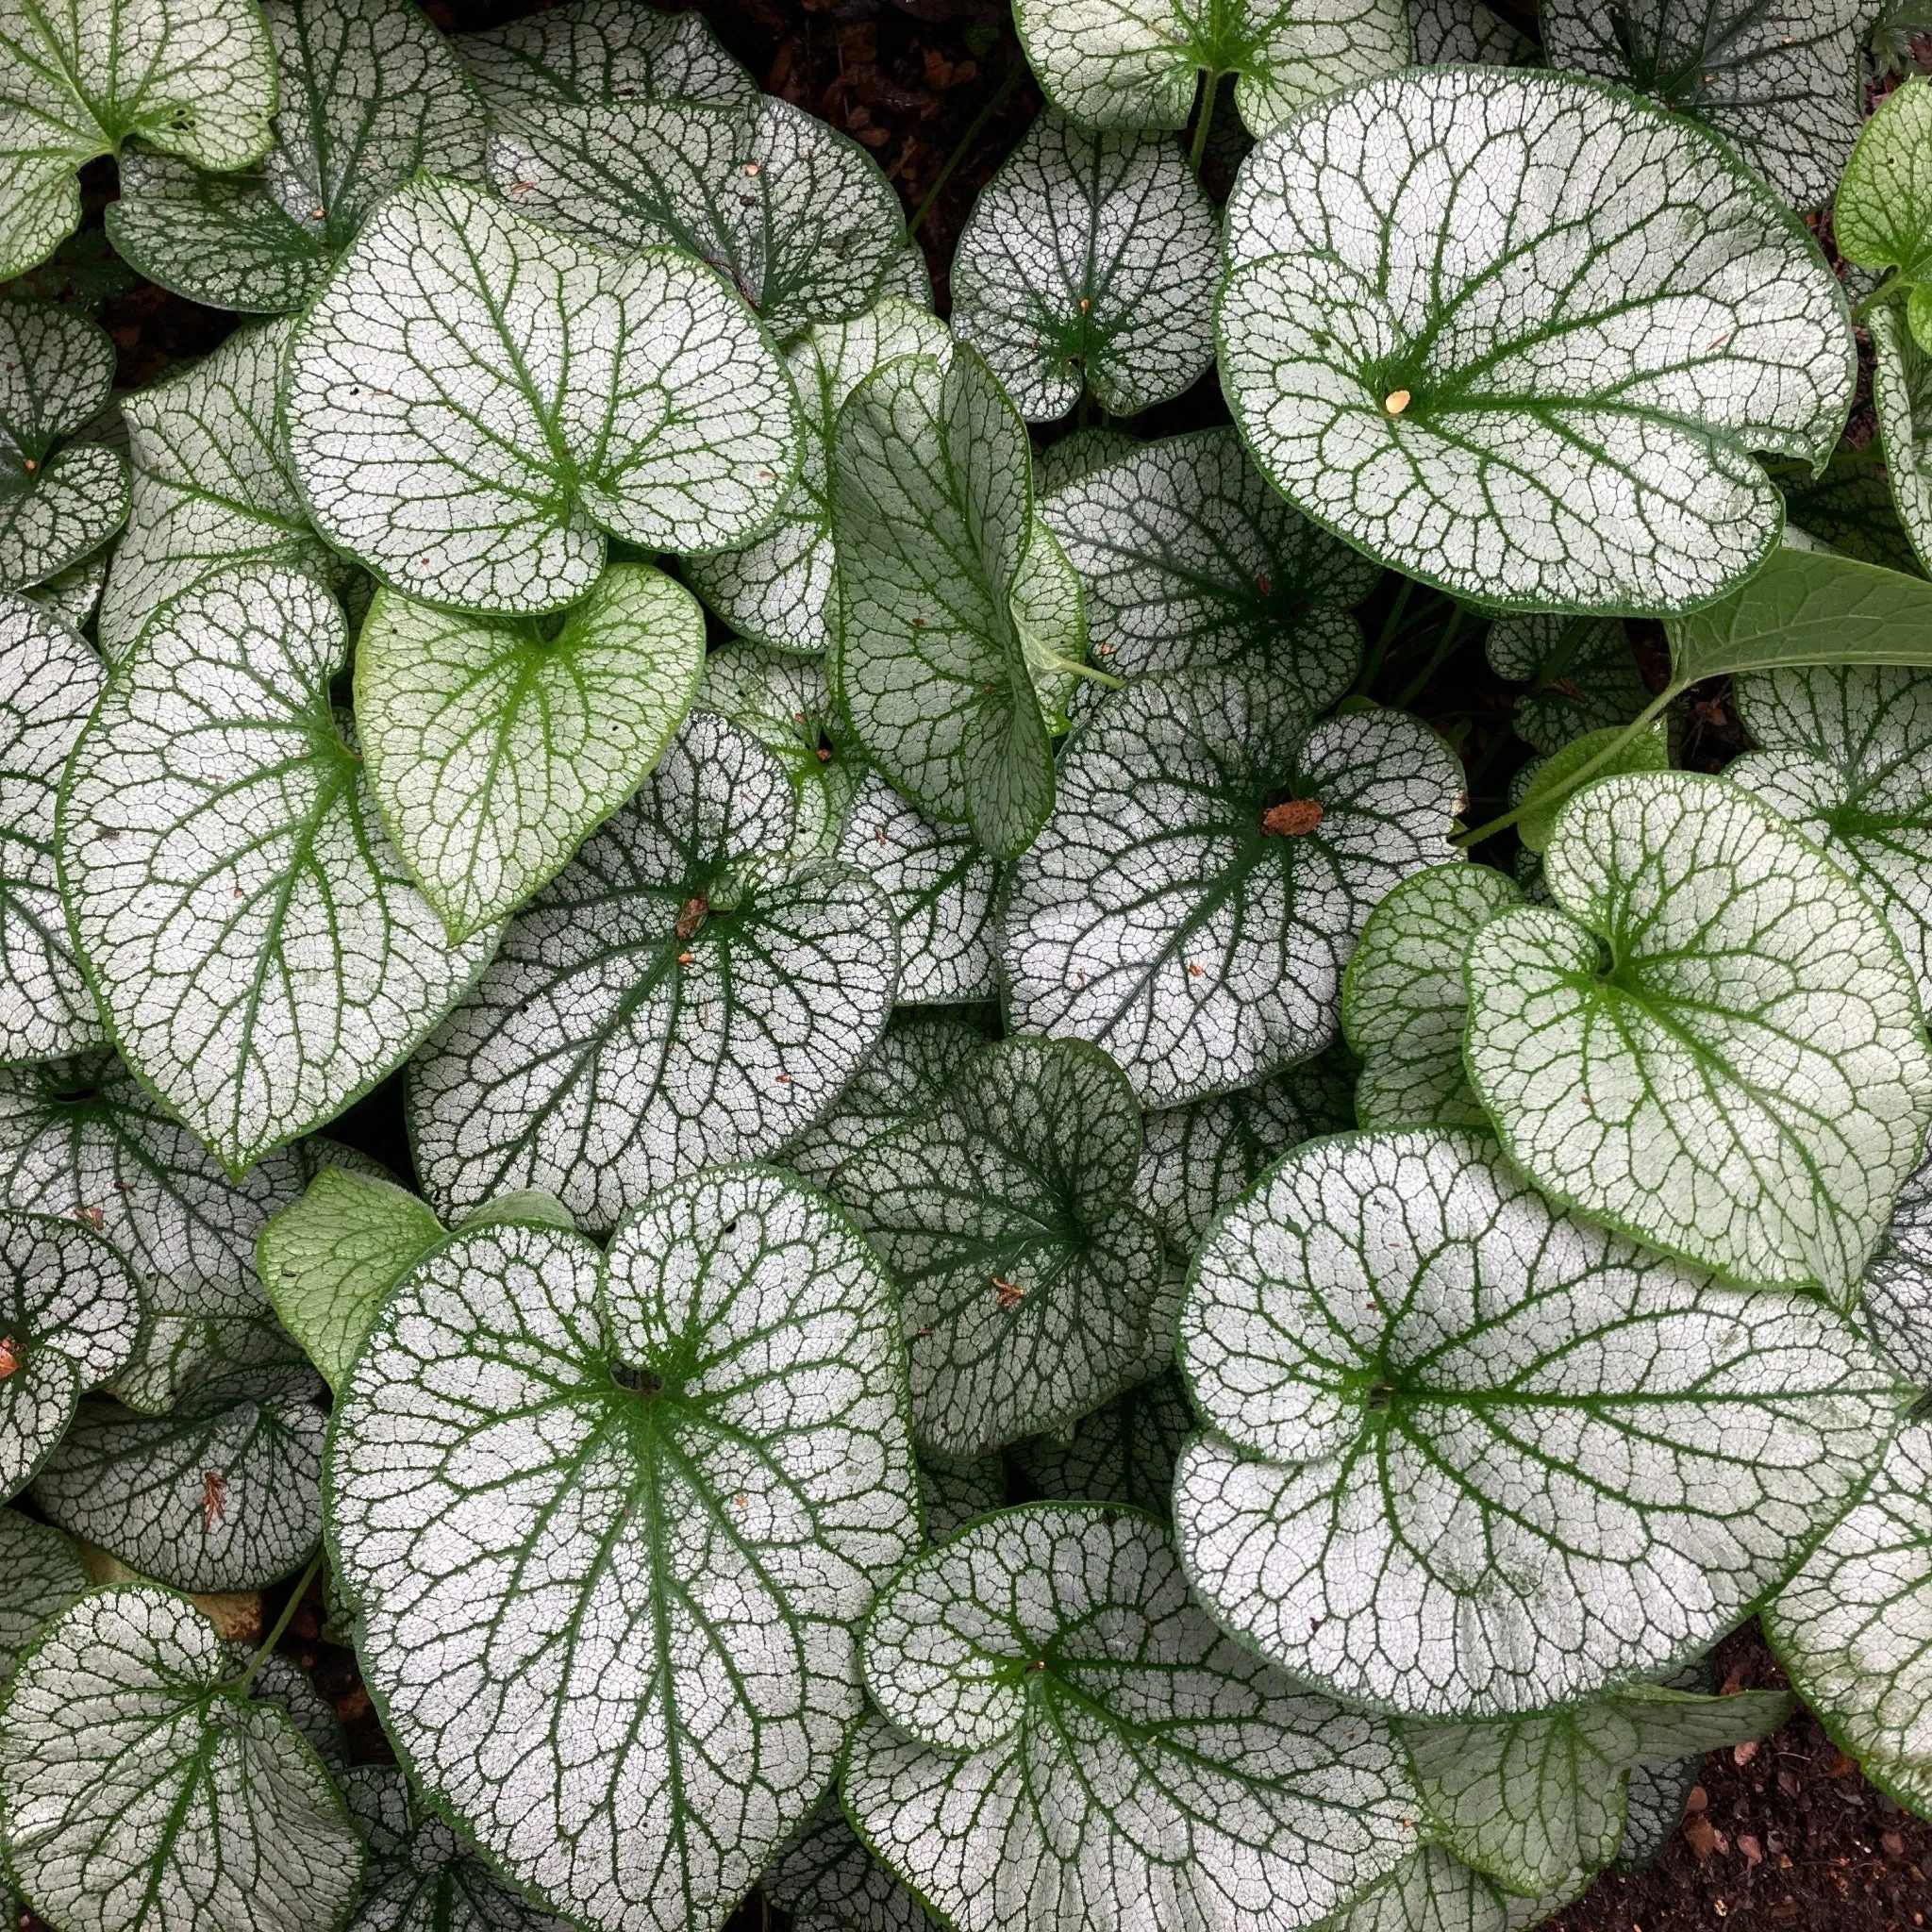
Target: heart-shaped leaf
<point x="693" y="1472"/>
<point x="472" y="400"/>
<point x="1901" y="399"/>
<point x="495" y="746"/>
<point x="796" y="214"/>
<point x="1882" y="218"/>
<point x="44" y="1573"/>
<point x="223" y="1493"/>
<point x="1581" y="672"/>
<point x="60" y="500"/>
<point x="371" y="95"/>
<point x="1468" y="1456"/>
<point x="1654" y="1804"/>
<point x="677" y="997"/>
<point x="1191" y="561"/>
<point x="827" y="1881"/>
<point x="1005" y="1215"/>
<point x="1133" y="63"/>
<point x="49" y="681"/>
<point x="70" y="1315"/>
<point x="138" y="1790"/>
<point x="1557" y="411"/>
<point x="1193" y="899"/>
<point x="211" y="489"/>
<point x="1465" y="33"/>
<point x="260" y="951"/>
<point x="1710" y="1039"/>
<point x="1049" y="1686"/>
<point x="195" y="77"/>
<point x="1088" y="264"/>
<point x="1124" y="1453"/>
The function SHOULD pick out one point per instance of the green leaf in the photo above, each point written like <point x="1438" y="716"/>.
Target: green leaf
<point x="472" y="400"/>
<point x="1898" y="1287"/>
<point x="1849" y="507"/>
<point x="1197" y="892"/>
<point x="139" y="1792"/>
<point x="1133" y="63"/>
<point x="1653" y="1803"/>
<point x="1465" y="33"/>
<point x="1581" y="672"/>
<point x="827" y="1881"/>
<point x="1433" y="1892"/>
<point x="495" y="746"/>
<point x="1027" y="1274"/>
<point x="677" y="996"/>
<point x="692" y="1472"/>
<point x="1607" y="753"/>
<point x="932" y="516"/>
<point x="796" y="216"/>
<point x="778" y="591"/>
<point x="1089" y="264"/>
<point x="1561" y="414"/>
<point x="1124" y="1453"/>
<point x="211" y="489"/>
<point x="44" y="1574"/>
<point x="253" y="939"/>
<point x="49" y="681"/>
<point x="370" y="94"/>
<point x="1710" y="1039"/>
<point x="1189" y="560"/>
<point x="1057" y="1709"/>
<point x="952" y="1494"/>
<point x="1469" y="1457"/>
<point x="70" y="1316"/>
<point x="195" y="77"/>
<point x="1403" y="1005"/>
<point x="224" y="1493"/>
<point x="1077" y="456"/>
<point x="1902" y="400"/>
<point x="1883" y="216"/>
<point x="60" y="500"/>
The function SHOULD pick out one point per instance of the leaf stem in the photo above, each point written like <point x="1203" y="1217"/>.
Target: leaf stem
<point x="1437" y="660"/>
<point x="240" y="1686"/>
<point x="1373" y="667"/>
<point x="1052" y="660"/>
<point x="972" y="133"/>
<point x="1889" y="290"/>
<point x="1198" y="152"/>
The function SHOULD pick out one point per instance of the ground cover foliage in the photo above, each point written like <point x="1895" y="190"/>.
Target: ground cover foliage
<point x="1132" y="1197"/>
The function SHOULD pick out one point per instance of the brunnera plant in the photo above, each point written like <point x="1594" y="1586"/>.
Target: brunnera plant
<point x="931" y="1155"/>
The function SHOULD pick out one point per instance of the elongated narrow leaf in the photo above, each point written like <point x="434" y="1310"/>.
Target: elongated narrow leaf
<point x="49" y="681"/>
<point x="370" y="94"/>
<point x="1468" y="1456"/>
<point x="1191" y="561"/>
<point x="1057" y="1709"/>
<point x="1089" y="263"/>
<point x="1882" y="218"/>
<point x="60" y="500"/>
<point x="1743" y="1079"/>
<point x="677" y="997"/>
<point x="252" y="935"/>
<point x="495" y="746"/>
<point x="1005" y="1215"/>
<point x="827" y="1881"/>
<point x="1124" y="1453"/>
<point x="70" y="1314"/>
<point x="40" y="1574"/>
<point x="1581" y="672"/>
<point x="473" y="400"/>
<point x="195" y="78"/>
<point x="693" y="1472"/>
<point x="1562" y="412"/>
<point x="1465" y="33"/>
<point x="1902" y="398"/>
<point x="1192" y="900"/>
<point x="135" y="1793"/>
<point x="1134" y="63"/>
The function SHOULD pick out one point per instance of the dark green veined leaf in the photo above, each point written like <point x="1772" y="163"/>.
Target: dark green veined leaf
<point x="1901" y="399"/>
<point x="827" y="1881"/>
<point x="1469" y="1457"/>
<point x="1433" y="1892"/>
<point x="1654" y="1802"/>
<point x="1850" y="507"/>
<point x="1581" y="672"/>
<point x="1898" y="1287"/>
<point x="692" y="1474"/>
<point x="40" y="1574"/>
<point x="1124" y="1453"/>
<point x="1465" y="33"/>
<point x="73" y="594"/>
<point x="952" y="1494"/>
<point x="1077" y="456"/>
<point x="1882" y="218"/>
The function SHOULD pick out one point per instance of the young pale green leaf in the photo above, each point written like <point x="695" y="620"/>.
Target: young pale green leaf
<point x="778" y="591"/>
<point x="70" y="1315"/>
<point x="195" y="77"/>
<point x="493" y="746"/>
<point x="952" y="1494"/>
<point x="796" y="214"/>
<point x="40" y="1574"/>
<point x="59" y="501"/>
<point x="1882" y="218"/>
<point x="1197" y="892"/>
<point x="1403" y="1005"/>
<point x="1901" y="399"/>
<point x="1605" y="753"/>
<point x="1465" y="33"/>
<point x="370" y="94"/>
<point x="1124" y="1453"/>
<point x="827" y="1881"/>
<point x="1849" y="507"/>
<point x="260" y="951"/>
<point x="690" y="1473"/>
<point x="1561" y="410"/>
<point x="1089" y="263"/>
<point x="932" y="516"/>
<point x="677" y="997"/>
<point x="1005" y="1215"/>
<point x="1581" y="672"/>
<point x="49" y="681"/>
<point x="1134" y="63"/>
<point x="1057" y="1710"/>
<point x="1191" y="561"/>
<point x="1786" y="89"/>
<point x="1470" y="1456"/>
<point x="211" y="489"/>
<point x="138" y="1793"/>
<point x="224" y="1493"/>
<point x="472" y="400"/>
<point x="1710" y="1039"/>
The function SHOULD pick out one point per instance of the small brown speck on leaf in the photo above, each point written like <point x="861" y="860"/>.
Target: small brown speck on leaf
<point x="10" y="1356"/>
<point x="691" y="917"/>
<point x="214" y="1498"/>
<point x="1294" y="818"/>
<point x="1006" y="1296"/>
